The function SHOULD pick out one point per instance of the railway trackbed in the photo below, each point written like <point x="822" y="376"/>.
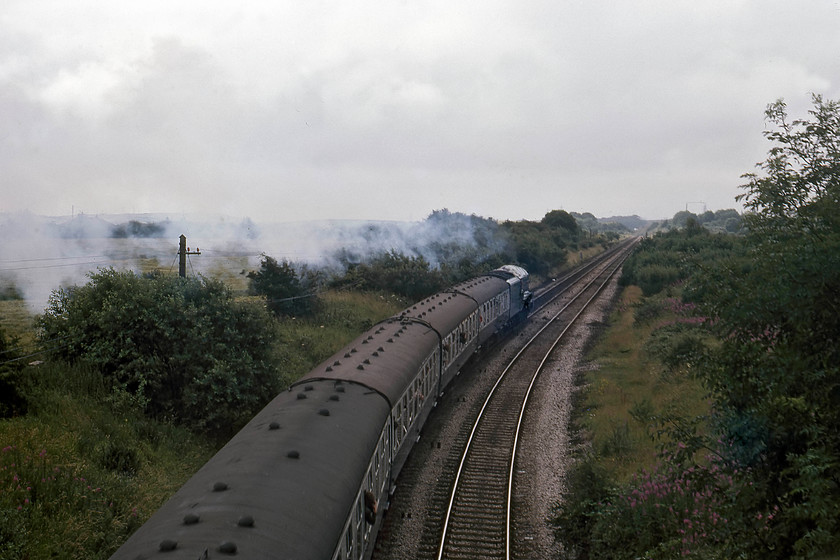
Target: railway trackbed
<point x="456" y="496"/>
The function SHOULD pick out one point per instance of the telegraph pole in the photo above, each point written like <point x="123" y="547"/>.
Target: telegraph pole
<point x="183" y="251"/>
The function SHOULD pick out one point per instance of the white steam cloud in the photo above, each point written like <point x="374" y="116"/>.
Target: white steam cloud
<point x="41" y="254"/>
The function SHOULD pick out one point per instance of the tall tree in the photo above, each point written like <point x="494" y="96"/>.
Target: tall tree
<point x="775" y="377"/>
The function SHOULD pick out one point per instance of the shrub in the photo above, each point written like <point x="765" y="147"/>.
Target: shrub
<point x="12" y="396"/>
<point x="180" y="348"/>
<point x="676" y="344"/>
<point x="411" y="277"/>
<point x="287" y="291"/>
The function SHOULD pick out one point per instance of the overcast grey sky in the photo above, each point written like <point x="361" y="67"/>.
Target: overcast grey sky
<point x="282" y="110"/>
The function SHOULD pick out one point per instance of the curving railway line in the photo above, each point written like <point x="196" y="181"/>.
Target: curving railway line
<point x="468" y="511"/>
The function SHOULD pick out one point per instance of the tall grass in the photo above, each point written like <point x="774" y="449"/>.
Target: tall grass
<point x="630" y="386"/>
<point x="82" y="469"/>
<point x="77" y="473"/>
<point x="625" y="496"/>
<point x="341" y="316"/>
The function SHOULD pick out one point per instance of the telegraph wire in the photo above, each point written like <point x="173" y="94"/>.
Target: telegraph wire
<point x="36" y="353"/>
<point x="42" y="342"/>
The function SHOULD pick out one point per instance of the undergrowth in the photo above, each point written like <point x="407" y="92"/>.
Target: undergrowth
<point x="80" y="466"/>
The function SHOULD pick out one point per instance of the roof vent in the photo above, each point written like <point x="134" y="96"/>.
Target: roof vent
<point x="190" y="519"/>
<point x="220" y="487"/>
<point x="274" y="426"/>
<point x="324" y="412"/>
<point x="227" y="547"/>
<point x="329" y="368"/>
<point x="246" y="521"/>
<point x="301" y="396"/>
<point x="293" y="454"/>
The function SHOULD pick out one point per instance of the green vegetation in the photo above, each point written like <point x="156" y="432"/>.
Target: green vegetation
<point x="673" y="256"/>
<point x="138" y="229"/>
<point x="722" y="221"/>
<point x="180" y="348"/>
<point x="82" y="466"/>
<point x="77" y="476"/>
<point x="749" y="467"/>
<point x="287" y="291"/>
<point x="127" y="384"/>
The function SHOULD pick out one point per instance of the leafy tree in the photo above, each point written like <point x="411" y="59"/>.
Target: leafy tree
<point x="775" y="377"/>
<point x="286" y="292"/>
<point x="179" y="348"/>
<point x="395" y="272"/>
<point x="539" y="248"/>
<point x="561" y="219"/>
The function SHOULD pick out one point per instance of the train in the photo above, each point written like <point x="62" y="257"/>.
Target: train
<point x="310" y="476"/>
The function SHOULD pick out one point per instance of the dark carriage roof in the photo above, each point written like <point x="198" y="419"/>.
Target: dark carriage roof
<point x="482" y="288"/>
<point x="387" y="357"/>
<point x="275" y="490"/>
<point x="384" y="359"/>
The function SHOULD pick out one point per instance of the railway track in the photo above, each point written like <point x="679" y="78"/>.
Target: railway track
<point x="467" y="509"/>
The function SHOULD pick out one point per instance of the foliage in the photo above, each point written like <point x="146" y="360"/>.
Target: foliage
<point x="138" y="229"/>
<point x="407" y="276"/>
<point x="287" y="291"/>
<point x="462" y="244"/>
<point x="463" y="247"/>
<point x="561" y="219"/>
<point x="670" y="257"/>
<point x="12" y="397"/>
<point x="77" y="478"/>
<point x="539" y="246"/>
<point x="9" y="291"/>
<point x="728" y="220"/>
<point x="759" y="475"/>
<point x="180" y="348"/>
<point x="776" y="375"/>
<point x="678" y="344"/>
<point x="588" y="222"/>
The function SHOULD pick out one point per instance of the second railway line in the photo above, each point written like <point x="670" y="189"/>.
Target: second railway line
<point x="477" y="525"/>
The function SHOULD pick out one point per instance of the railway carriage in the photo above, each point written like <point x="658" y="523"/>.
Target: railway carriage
<point x="310" y="475"/>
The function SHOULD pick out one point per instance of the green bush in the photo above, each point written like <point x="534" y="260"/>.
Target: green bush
<point x="181" y="348"/>
<point x="411" y="277"/>
<point x="13" y="400"/>
<point x="287" y="291"/>
<point x="647" y="310"/>
<point x="676" y="345"/>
